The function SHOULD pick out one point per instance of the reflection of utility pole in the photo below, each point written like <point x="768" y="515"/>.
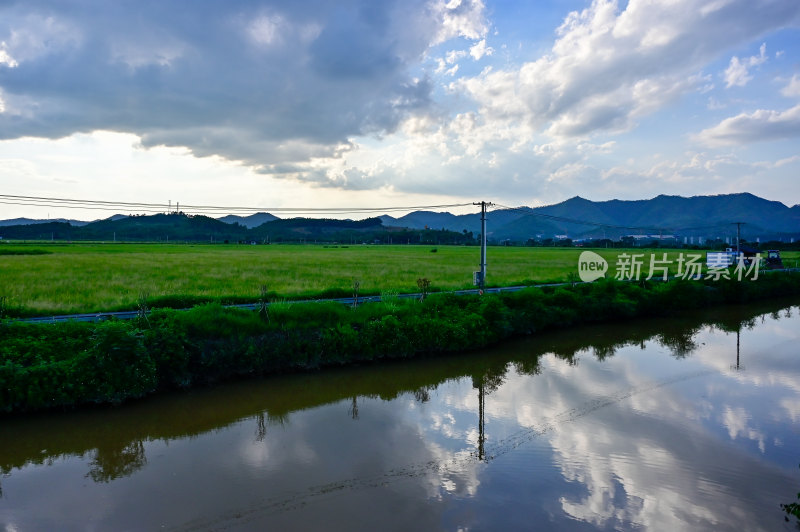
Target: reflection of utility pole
<point x="481" y="433"/>
<point x="738" y="366"/>
<point x="261" y="430"/>
<point x="354" y="408"/>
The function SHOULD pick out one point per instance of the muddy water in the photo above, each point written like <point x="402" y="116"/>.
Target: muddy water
<point x="674" y="424"/>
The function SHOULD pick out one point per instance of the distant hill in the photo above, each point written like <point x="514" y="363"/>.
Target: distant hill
<point x="433" y="220"/>
<point x="158" y="227"/>
<point x="32" y="221"/>
<point x="182" y="227"/>
<point x="38" y="231"/>
<point x="708" y="216"/>
<point x="254" y="220"/>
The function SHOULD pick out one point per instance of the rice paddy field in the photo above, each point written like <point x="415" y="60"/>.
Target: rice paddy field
<point x="43" y="279"/>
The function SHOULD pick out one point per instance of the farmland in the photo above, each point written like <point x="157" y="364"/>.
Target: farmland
<point x="66" y="278"/>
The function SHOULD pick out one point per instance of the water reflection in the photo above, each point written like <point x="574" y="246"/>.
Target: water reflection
<point x="792" y="510"/>
<point x="111" y="463"/>
<point x="652" y="424"/>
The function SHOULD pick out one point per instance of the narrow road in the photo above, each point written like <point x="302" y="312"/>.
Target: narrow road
<point x="130" y="314"/>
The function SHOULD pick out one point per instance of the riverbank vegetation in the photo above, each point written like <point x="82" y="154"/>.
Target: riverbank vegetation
<point x="44" y="366"/>
<point x="270" y="402"/>
<point x="107" y="277"/>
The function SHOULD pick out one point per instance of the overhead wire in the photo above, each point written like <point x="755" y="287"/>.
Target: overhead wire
<point x="158" y="208"/>
<point x="140" y="207"/>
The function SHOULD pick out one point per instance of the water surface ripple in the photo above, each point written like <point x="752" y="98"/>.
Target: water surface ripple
<point x="681" y="424"/>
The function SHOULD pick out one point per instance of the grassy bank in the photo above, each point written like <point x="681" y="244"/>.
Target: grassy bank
<point x="106" y="277"/>
<point x="62" y="365"/>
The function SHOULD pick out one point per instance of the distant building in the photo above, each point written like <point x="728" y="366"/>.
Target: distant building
<point x="639" y="240"/>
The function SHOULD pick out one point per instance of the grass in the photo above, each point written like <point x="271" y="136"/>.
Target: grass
<point x="66" y="364"/>
<point x="70" y="278"/>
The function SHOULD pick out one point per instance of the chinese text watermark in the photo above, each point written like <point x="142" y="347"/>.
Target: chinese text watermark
<point x="688" y="266"/>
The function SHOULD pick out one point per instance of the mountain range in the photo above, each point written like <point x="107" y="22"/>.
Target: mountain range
<point x="254" y="220"/>
<point x="708" y="216"/>
<point x="181" y="227"/>
<point x="32" y="221"/>
<point x="576" y="218"/>
<point x="35" y="221"/>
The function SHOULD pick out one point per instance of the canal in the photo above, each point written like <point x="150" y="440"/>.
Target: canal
<point x="689" y="423"/>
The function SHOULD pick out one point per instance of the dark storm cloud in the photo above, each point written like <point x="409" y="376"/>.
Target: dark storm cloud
<point x="262" y="82"/>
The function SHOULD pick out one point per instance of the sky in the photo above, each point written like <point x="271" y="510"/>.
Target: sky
<point x="358" y="103"/>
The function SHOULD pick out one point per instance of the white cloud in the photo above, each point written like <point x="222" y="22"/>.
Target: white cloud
<point x="736" y="421"/>
<point x="35" y="35"/>
<point x="109" y="166"/>
<point x="266" y="29"/>
<point x="5" y="57"/>
<point x="792" y="89"/>
<point x="353" y="97"/>
<point x="714" y="105"/>
<point x="760" y="125"/>
<point x="738" y="74"/>
<point x="454" y="55"/>
<point x="792" y="407"/>
<point x="569" y="173"/>
<point x="608" y="67"/>
<point x="624" y="477"/>
<point x="480" y="50"/>
<point x="210" y="80"/>
<point x="158" y="50"/>
<point x="785" y="161"/>
<point x="460" y="18"/>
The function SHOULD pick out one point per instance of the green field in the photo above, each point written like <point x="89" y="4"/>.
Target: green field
<point x="69" y="278"/>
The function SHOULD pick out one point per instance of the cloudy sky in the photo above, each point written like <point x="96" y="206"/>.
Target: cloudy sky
<point x="361" y="103"/>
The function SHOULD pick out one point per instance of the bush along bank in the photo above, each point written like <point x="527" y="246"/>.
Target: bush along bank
<point x="45" y="366"/>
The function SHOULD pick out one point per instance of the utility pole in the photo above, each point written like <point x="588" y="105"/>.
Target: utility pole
<point x="483" y="244"/>
<point x="482" y="279"/>
<point x="738" y="235"/>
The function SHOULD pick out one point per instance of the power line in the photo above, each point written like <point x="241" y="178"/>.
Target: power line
<point x="157" y="208"/>
<point x="82" y="207"/>
<point x="69" y="203"/>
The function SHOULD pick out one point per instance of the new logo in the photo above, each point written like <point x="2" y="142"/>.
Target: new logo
<point x="591" y="266"/>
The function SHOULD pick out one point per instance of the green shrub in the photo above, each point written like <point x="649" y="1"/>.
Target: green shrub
<point x="64" y="364"/>
<point x="215" y="321"/>
<point x="117" y="366"/>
